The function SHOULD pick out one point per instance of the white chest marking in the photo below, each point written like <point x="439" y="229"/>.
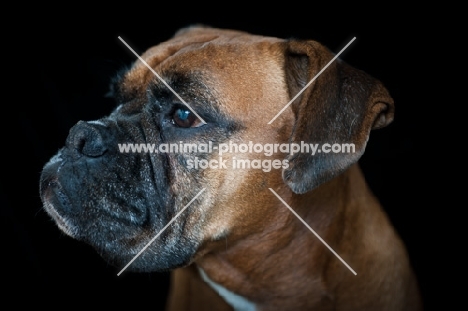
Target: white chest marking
<point x="239" y="303"/>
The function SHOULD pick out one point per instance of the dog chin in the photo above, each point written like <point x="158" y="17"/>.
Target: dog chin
<point x="149" y="257"/>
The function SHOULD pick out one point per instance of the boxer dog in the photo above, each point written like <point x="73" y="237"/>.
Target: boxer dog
<point x="232" y="234"/>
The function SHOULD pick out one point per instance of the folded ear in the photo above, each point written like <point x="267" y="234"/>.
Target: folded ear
<point x="340" y="107"/>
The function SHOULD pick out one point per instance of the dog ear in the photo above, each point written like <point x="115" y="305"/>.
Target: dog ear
<point x="340" y="107"/>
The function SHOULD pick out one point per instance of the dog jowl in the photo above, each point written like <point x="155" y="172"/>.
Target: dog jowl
<point x="220" y="87"/>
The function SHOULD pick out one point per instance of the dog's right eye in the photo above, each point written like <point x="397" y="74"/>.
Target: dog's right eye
<point x="185" y="118"/>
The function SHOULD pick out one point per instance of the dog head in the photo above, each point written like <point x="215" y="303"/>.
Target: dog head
<point x="206" y="87"/>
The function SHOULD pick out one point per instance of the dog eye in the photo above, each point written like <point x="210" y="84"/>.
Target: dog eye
<point x="183" y="117"/>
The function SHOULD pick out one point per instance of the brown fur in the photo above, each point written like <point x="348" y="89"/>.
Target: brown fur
<point x="253" y="245"/>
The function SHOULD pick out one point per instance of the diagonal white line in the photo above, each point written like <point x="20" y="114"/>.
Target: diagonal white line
<point x="310" y="82"/>
<point x="160" y="232"/>
<point x="312" y="230"/>
<point x="162" y="80"/>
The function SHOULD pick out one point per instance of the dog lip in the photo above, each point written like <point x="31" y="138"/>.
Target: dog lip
<point x="52" y="196"/>
<point x="51" y="192"/>
<point x="50" y="189"/>
<point x="49" y="174"/>
<point x="59" y="220"/>
<point x="46" y="187"/>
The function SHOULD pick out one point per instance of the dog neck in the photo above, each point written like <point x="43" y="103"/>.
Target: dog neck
<point x="249" y="267"/>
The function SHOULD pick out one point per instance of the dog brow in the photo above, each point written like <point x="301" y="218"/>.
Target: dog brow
<point x="190" y="87"/>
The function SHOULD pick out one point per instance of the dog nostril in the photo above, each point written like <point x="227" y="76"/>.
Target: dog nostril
<point x="86" y="139"/>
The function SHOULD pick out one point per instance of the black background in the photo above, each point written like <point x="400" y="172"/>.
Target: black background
<point x="62" y="61"/>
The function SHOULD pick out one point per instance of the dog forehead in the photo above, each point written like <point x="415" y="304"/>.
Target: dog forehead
<point x="206" y="46"/>
<point x="222" y="58"/>
<point x="194" y="37"/>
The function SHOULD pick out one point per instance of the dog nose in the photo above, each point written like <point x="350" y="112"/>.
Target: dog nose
<point x="87" y="139"/>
